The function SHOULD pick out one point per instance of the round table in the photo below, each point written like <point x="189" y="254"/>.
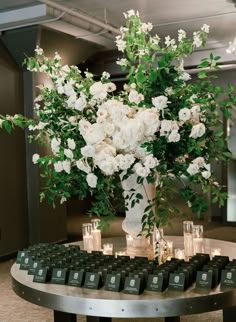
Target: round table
<point x="101" y="305"/>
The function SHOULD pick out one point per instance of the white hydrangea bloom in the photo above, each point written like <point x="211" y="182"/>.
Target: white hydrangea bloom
<point x="91" y="180"/>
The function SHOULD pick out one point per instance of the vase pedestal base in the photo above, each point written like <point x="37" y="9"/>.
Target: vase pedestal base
<point x="139" y="246"/>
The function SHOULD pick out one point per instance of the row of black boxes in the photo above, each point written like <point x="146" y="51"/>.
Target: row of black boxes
<point x="69" y="265"/>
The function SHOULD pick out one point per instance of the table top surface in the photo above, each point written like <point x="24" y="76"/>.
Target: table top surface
<point x="84" y="301"/>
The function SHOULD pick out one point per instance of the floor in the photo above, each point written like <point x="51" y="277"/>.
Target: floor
<point x="15" y="309"/>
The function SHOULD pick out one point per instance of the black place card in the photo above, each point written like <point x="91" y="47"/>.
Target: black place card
<point x="92" y="280"/>
<point x="228" y="279"/>
<point x="21" y="255"/>
<point x="34" y="265"/>
<point x="76" y="277"/>
<point x="59" y="276"/>
<point x="155" y="283"/>
<point x="41" y="275"/>
<point x="177" y="281"/>
<point x="25" y="262"/>
<point x="204" y="280"/>
<point x="133" y="285"/>
<point x="114" y="282"/>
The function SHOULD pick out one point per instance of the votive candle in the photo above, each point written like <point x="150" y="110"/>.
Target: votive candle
<point x="215" y="252"/>
<point x="198" y="241"/>
<point x="188" y="238"/>
<point x="96" y="233"/>
<point x="87" y="237"/>
<point x="108" y="249"/>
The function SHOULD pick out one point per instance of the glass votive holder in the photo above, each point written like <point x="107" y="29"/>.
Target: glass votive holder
<point x="87" y="237"/>
<point x="96" y="233"/>
<point x="198" y="241"/>
<point x="215" y="252"/>
<point x="169" y="249"/>
<point x="188" y="238"/>
<point x="179" y="253"/>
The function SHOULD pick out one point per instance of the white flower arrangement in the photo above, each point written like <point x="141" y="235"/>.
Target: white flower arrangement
<point x="159" y="127"/>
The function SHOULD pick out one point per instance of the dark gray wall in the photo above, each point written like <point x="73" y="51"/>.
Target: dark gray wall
<point x="13" y="203"/>
<point x="23" y="220"/>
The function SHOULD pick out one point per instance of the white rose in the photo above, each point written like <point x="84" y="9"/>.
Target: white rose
<point x="88" y="151"/>
<point x="206" y="174"/>
<point x="68" y="153"/>
<point x="135" y="97"/>
<point x="174" y="136"/>
<point x="108" y="166"/>
<point x="66" y="166"/>
<point x="125" y="161"/>
<point x="84" y="126"/>
<point x="83" y="166"/>
<point x="94" y="134"/>
<point x="98" y="90"/>
<point x="197" y="131"/>
<point x="141" y="171"/>
<point x="150" y="119"/>
<point x="169" y="91"/>
<point x="80" y="103"/>
<point x="110" y="87"/>
<point x="193" y="169"/>
<point x="69" y="90"/>
<point x="71" y="144"/>
<point x="71" y="101"/>
<point x="55" y="145"/>
<point x="91" y="180"/>
<point x="150" y="161"/>
<point x="58" y="166"/>
<point x="199" y="161"/>
<point x="160" y="102"/>
<point x="35" y="158"/>
<point x="184" y="114"/>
